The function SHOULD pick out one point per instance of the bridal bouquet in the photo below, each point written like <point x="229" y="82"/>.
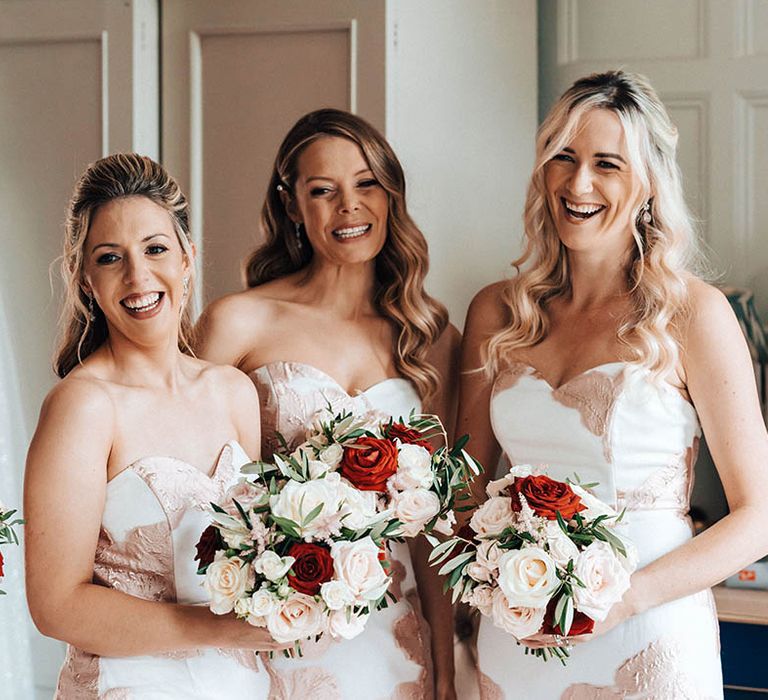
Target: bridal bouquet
<point x="299" y="546"/>
<point x="540" y="556"/>
<point x="7" y="533"/>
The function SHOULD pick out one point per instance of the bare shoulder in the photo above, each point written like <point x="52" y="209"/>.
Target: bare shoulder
<point x="445" y="349"/>
<point x="80" y="397"/>
<point x="488" y="311"/>
<point x="241" y="312"/>
<point x="228" y="381"/>
<point x="710" y="311"/>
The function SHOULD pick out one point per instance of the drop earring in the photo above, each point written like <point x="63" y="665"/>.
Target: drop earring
<point x="91" y="313"/>
<point x="185" y="288"/>
<point x="297" y="229"/>
<point x="646" y="216"/>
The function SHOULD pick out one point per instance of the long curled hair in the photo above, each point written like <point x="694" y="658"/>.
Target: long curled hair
<point x="110" y="178"/>
<point x="402" y="264"/>
<point x="665" y="251"/>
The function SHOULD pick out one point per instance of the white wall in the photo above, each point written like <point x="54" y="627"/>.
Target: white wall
<point x="461" y="115"/>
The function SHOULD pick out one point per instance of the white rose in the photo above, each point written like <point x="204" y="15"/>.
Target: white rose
<point x="488" y="554"/>
<point x="482" y="599"/>
<point x="317" y="469"/>
<point x="519" y="621"/>
<point x="298" y="617"/>
<point x="358" y="508"/>
<point x="414" y="468"/>
<point x="605" y="580"/>
<point x="346" y="625"/>
<point x="336" y="594"/>
<point x="357" y="564"/>
<point x="414" y="508"/>
<point x="296" y="500"/>
<point x="561" y="547"/>
<point x="226" y="580"/>
<point x="493" y="516"/>
<point x="445" y="523"/>
<point x="332" y="455"/>
<point x="478" y="572"/>
<point x="496" y="487"/>
<point x="595" y="507"/>
<point x="247" y="494"/>
<point x="242" y="607"/>
<point x="261" y="604"/>
<point x="272" y="566"/>
<point x="528" y="577"/>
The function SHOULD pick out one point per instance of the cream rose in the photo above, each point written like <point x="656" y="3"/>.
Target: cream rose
<point x="478" y="572"/>
<point x="346" y="625"/>
<point x="298" y="617"/>
<point x="519" y="621"/>
<point x="445" y="523"/>
<point x="261" y="604"/>
<point x="235" y="538"/>
<point x="493" y="516"/>
<point x="272" y="566"/>
<point x="481" y="598"/>
<point x="358" y="508"/>
<point x="414" y="508"/>
<point x="336" y="594"/>
<point x="226" y="580"/>
<point x="332" y="455"/>
<point x="246" y="494"/>
<point x="528" y="577"/>
<point x="357" y="564"/>
<point x="414" y="468"/>
<point x="317" y="469"/>
<point x="561" y="547"/>
<point x="296" y="500"/>
<point x="488" y="554"/>
<point x="605" y="580"/>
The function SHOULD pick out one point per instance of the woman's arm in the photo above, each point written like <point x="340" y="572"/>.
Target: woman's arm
<point x="65" y="487"/>
<point x="721" y="382"/>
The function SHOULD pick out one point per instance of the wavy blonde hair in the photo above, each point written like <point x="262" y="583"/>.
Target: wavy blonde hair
<point x="665" y="252"/>
<point x="113" y="177"/>
<point x="402" y="264"/>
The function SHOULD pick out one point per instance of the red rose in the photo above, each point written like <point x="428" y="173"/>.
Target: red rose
<point x="408" y="435"/>
<point x="582" y="624"/>
<point x="210" y="542"/>
<point x="1" y="565"/>
<point x="313" y="567"/>
<point x="369" y="462"/>
<point x="546" y="497"/>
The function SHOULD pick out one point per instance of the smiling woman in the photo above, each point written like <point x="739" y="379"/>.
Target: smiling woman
<point x="132" y="445"/>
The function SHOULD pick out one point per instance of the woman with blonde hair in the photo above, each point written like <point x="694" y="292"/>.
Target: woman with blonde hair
<point x="336" y="313"/>
<point x="133" y="443"/>
<point x="603" y="358"/>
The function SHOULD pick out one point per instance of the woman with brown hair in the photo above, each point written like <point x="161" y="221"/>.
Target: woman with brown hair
<point x="336" y="312"/>
<point x="132" y="444"/>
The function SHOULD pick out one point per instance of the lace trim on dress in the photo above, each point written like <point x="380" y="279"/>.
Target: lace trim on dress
<point x="183" y="486"/>
<point x="667" y="487"/>
<point x="141" y="566"/>
<point x="489" y="689"/>
<point x="312" y="682"/>
<point x="652" y="674"/>
<point x="593" y="395"/>
<point x="412" y="636"/>
<point x="79" y="676"/>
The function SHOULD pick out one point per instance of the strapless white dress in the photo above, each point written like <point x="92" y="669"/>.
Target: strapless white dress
<point x="611" y="425"/>
<point x="391" y="658"/>
<point x="154" y="513"/>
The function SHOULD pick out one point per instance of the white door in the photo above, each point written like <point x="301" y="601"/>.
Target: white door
<point x="68" y="72"/>
<point x="236" y="76"/>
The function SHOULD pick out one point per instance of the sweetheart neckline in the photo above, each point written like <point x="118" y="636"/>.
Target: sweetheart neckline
<point x="317" y="370"/>
<point x="538" y="374"/>
<point x="210" y="474"/>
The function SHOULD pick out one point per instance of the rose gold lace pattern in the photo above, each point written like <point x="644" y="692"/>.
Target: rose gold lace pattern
<point x="117" y="694"/>
<point x="247" y="659"/>
<point x="179" y="486"/>
<point x="79" y="676"/>
<point x="489" y="690"/>
<point x="652" y="674"/>
<point x="510" y="375"/>
<point x="311" y="682"/>
<point x="412" y="636"/>
<point x="593" y="394"/>
<point x="292" y="394"/>
<point x="667" y="487"/>
<point x="141" y="565"/>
